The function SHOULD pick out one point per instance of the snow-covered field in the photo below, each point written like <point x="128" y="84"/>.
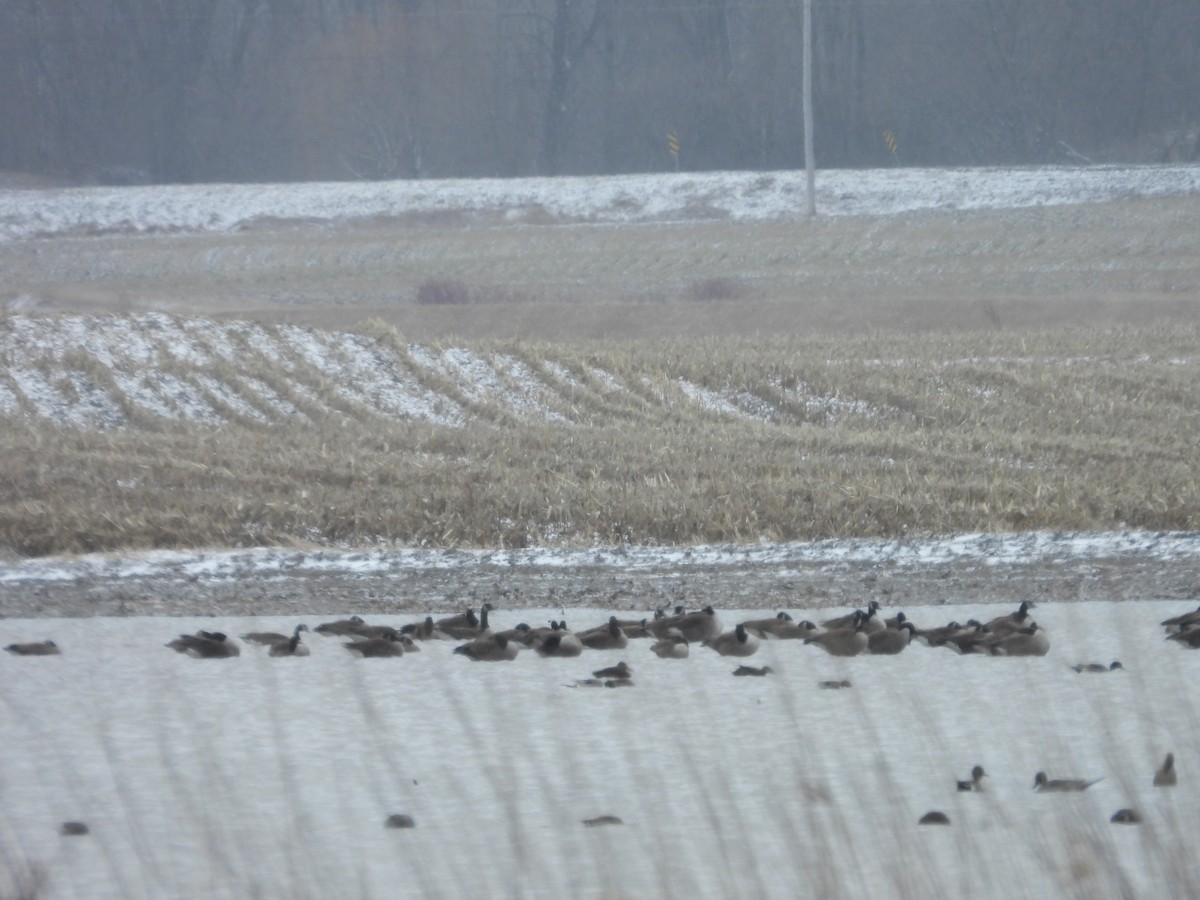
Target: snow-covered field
<point x="612" y="199"/>
<point x="273" y="777"/>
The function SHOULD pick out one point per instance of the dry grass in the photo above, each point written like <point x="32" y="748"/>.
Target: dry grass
<point x="870" y="436"/>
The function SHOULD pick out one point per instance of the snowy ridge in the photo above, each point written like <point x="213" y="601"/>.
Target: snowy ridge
<point x="655" y="197"/>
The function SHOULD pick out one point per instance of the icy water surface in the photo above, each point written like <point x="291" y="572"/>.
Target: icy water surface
<point x="273" y="777"/>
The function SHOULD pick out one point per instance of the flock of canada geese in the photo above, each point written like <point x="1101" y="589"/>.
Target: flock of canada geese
<point x="671" y="635"/>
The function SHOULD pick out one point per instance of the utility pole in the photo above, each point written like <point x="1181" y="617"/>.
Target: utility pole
<point x="810" y="166"/>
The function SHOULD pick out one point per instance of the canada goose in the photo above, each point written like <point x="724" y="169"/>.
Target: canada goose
<point x="290" y="646"/>
<point x="559" y="643"/>
<point x="850" y="619"/>
<point x="833" y="685"/>
<point x="1165" y="776"/>
<point x="891" y="641"/>
<point x="936" y="637"/>
<point x="934" y="817"/>
<point x="340" y="628"/>
<point x="490" y="648"/>
<point x="424" y="631"/>
<point x="766" y="629"/>
<point x="672" y="645"/>
<point x="975" y="639"/>
<point x="377" y="647"/>
<point x="896" y="621"/>
<point x="1097" y="667"/>
<point x="205" y="645"/>
<point x="269" y="638"/>
<point x="467" y="626"/>
<point x="741" y="671"/>
<point x="37" y="648"/>
<point x="1018" y="619"/>
<point x="605" y="637"/>
<point x="376" y="631"/>
<point x="1190" y="637"/>
<point x="1043" y="785"/>
<point x="843" y="641"/>
<point x="738" y="642"/>
<point x="1179" y="623"/>
<point x="1031" y="641"/>
<point x="1126" y="817"/>
<point x="620" y="670"/>
<point x="696" y="627"/>
<point x="976" y="781"/>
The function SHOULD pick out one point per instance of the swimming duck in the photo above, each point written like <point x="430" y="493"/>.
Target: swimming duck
<point x="620" y="670"/>
<point x="742" y="671"/>
<point x="340" y="628"/>
<point x="490" y="648"/>
<point x="833" y="685"/>
<point x="934" y="817"/>
<point x="205" y="645"/>
<point x="1097" y="667"/>
<point x="1126" y="817"/>
<point x="1042" y="784"/>
<point x="37" y="648"/>
<point x="976" y="781"/>
<point x="738" y="642"/>
<point x="1165" y="776"/>
<point x="672" y="645"/>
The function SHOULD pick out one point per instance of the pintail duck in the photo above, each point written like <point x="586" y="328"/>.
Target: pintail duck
<point x="976" y="781"/>
<point x="490" y="648"/>
<point x="620" y="670"/>
<point x="738" y="642"/>
<point x="1097" y="667"/>
<point x="891" y="641"/>
<point x="1165" y="776"/>
<point x="205" y="645"/>
<point x="605" y="637"/>
<point x="37" y="648"/>
<point x="843" y="641"/>
<point x="377" y="647"/>
<point x="340" y="628"/>
<point x="742" y="671"/>
<point x="672" y="645"/>
<point x="1044" y="785"/>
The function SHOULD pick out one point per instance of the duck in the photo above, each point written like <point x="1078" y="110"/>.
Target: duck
<point x="843" y="641"/>
<point x="605" y="637"/>
<point x="752" y="671"/>
<point x="975" y="783"/>
<point x="1044" y="785"/>
<point x="1165" y="776"/>
<point x="891" y="641"/>
<point x="1031" y="641"/>
<point x="841" y="622"/>
<point x="934" y="817"/>
<point x="1097" y="667"/>
<point x="377" y="647"/>
<point x="340" y="628"/>
<point x="738" y="642"/>
<point x="205" y="645"/>
<point x="561" y="642"/>
<point x="36" y="648"/>
<point x="490" y="648"/>
<point x="620" y="670"/>
<point x="672" y="645"/>
<point x="1126" y="817"/>
<point x="833" y="685"/>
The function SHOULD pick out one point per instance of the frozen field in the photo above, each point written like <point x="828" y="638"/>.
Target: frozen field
<point x="273" y="777"/>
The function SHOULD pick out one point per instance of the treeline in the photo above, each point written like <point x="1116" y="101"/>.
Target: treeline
<point x="198" y="90"/>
